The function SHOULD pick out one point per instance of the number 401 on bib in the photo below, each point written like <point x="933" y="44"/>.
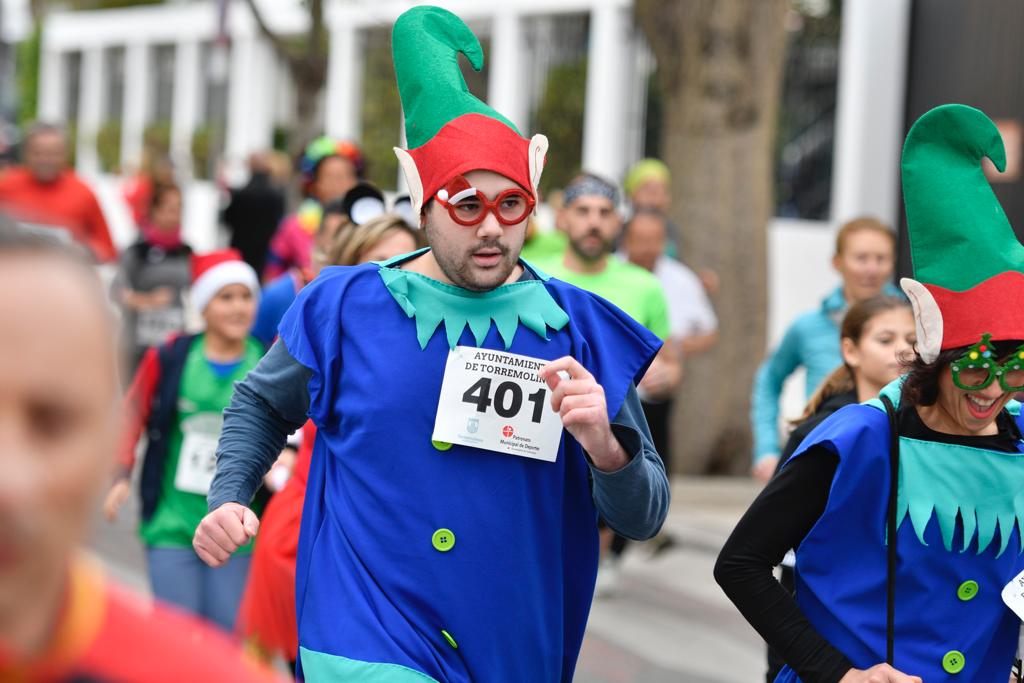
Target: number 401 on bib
<point x="496" y="401"/>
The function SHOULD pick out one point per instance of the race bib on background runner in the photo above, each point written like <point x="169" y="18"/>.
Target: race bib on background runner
<point x="197" y="462"/>
<point x="153" y="327"/>
<point x="496" y="401"/>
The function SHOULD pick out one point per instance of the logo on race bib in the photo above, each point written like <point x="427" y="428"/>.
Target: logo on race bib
<point x="507" y="431"/>
<point x="473" y="425"/>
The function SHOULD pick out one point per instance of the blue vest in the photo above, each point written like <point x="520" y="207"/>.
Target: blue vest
<point x="376" y="600"/>
<point x="950" y="622"/>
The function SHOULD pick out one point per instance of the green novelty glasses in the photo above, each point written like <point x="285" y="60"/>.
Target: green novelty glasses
<point x="978" y="368"/>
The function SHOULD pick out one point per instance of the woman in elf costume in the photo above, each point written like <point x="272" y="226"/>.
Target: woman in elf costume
<point x="906" y="511"/>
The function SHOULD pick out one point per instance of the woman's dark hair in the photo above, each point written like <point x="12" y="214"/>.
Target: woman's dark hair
<point x="921" y="387"/>
<point x="841" y="380"/>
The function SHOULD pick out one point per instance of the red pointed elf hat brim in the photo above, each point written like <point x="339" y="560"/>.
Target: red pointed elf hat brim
<point x="473" y="142"/>
<point x="947" y="319"/>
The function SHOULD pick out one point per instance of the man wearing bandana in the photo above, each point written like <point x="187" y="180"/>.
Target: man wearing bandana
<point x="474" y="416"/>
<point x="592" y="224"/>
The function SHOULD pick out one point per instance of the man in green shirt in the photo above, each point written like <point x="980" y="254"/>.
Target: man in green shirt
<point x="591" y="222"/>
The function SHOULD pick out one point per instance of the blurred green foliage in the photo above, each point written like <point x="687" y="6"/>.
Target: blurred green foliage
<point x="157" y="139"/>
<point x="560" y="117"/>
<point x="381" y="110"/>
<point x="28" y="75"/>
<point x="202" y="141"/>
<point x="108" y="146"/>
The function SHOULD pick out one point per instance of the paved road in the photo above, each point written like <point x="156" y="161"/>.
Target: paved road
<point x="667" y="622"/>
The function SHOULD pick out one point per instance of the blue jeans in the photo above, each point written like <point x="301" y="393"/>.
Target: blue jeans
<point x="179" y="577"/>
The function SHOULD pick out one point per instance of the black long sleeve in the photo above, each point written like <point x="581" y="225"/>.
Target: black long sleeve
<point x="777" y="521"/>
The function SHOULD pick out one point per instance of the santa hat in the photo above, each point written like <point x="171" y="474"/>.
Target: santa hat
<point x="213" y="271"/>
<point x="448" y="130"/>
<point x="968" y="264"/>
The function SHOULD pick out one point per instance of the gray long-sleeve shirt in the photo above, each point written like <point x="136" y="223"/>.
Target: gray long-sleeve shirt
<point x="273" y="401"/>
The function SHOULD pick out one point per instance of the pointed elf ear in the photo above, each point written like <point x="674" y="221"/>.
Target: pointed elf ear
<point x="412" y="179"/>
<point x="927" y="319"/>
<point x="538" y="157"/>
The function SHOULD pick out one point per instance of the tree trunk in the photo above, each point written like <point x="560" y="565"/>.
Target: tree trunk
<point x="720" y="71"/>
<point x="307" y="127"/>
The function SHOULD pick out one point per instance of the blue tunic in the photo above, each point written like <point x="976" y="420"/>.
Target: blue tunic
<point x="375" y="600"/>
<point x="943" y="622"/>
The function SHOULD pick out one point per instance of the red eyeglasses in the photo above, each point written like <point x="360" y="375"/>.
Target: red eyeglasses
<point x="510" y="207"/>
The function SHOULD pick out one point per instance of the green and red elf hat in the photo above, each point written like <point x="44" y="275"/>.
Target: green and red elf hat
<point x="448" y="130"/>
<point x="968" y="263"/>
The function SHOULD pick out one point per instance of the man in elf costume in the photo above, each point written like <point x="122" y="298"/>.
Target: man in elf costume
<point x="474" y="417"/>
<point x="929" y="605"/>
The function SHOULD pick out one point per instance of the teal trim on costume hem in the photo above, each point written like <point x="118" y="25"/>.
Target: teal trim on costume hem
<point x="430" y="302"/>
<point x="950" y="480"/>
<point x="320" y="666"/>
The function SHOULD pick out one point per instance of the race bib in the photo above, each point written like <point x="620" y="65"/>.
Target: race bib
<point x="1013" y="595"/>
<point x="197" y="462"/>
<point x="496" y="401"/>
<point x="152" y="328"/>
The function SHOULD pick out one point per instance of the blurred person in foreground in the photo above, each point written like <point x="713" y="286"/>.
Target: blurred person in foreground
<point x="591" y="221"/>
<point x="864" y="258"/>
<point x="45" y="193"/>
<point x="61" y="619"/>
<point x="176" y="398"/>
<point x="448" y="531"/>
<point x="328" y="168"/>
<point x="254" y="211"/>
<point x="153" y="276"/>
<point x="266" y="619"/>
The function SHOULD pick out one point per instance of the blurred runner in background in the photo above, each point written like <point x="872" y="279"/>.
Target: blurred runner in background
<point x="329" y="168"/>
<point x="177" y="397"/>
<point x="152" y="278"/>
<point x="45" y="193"/>
<point x="592" y="223"/>
<point x="865" y="257"/>
<point x="254" y="211"/>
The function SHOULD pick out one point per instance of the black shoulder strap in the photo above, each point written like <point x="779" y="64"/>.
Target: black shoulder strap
<point x="894" y="484"/>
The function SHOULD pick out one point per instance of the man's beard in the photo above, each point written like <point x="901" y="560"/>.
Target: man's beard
<point x="593" y="254"/>
<point x="459" y="267"/>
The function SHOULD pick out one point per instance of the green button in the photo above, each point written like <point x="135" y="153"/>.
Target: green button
<point x="968" y="590"/>
<point x="441" y="445"/>
<point x="953" y="662"/>
<point x="443" y="540"/>
<point x="448" y="637"/>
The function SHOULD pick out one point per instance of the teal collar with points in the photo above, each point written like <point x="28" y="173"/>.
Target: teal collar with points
<point x="950" y="480"/>
<point x="430" y="302"/>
